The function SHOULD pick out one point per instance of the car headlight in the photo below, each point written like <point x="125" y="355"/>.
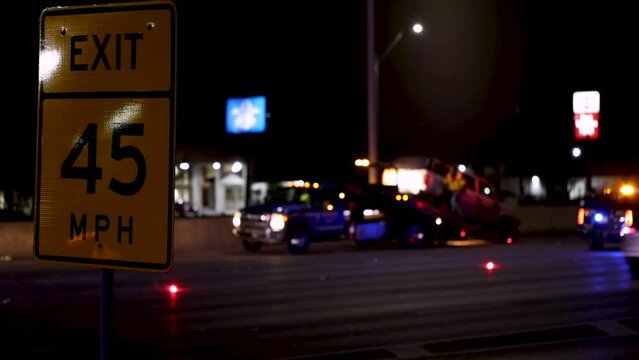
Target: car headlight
<point x="372" y="214"/>
<point x="237" y="219"/>
<point x="278" y="221"/>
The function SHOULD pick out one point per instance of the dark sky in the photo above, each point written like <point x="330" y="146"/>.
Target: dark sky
<point x="490" y="81"/>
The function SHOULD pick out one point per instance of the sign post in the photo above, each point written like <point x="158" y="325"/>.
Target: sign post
<point x="106" y="128"/>
<point x="586" y="107"/>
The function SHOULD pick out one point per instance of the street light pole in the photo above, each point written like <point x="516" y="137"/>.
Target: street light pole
<point x="372" y="72"/>
<point x="372" y="67"/>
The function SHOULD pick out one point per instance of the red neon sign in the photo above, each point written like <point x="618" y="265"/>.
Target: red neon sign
<point x="586" y="105"/>
<point x="587" y="126"/>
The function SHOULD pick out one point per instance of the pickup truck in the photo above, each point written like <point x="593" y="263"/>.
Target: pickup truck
<point x="296" y="214"/>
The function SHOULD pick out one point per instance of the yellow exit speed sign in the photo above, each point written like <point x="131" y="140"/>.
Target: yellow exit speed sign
<point x="106" y="130"/>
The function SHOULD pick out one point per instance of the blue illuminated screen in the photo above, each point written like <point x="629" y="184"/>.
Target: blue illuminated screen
<point x="246" y="115"/>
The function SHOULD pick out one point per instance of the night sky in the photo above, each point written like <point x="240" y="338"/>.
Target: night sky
<point x="491" y="81"/>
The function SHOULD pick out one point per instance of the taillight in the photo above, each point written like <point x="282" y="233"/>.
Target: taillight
<point x="581" y="216"/>
<point x="627" y="216"/>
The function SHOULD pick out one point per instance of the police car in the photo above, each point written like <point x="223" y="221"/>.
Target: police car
<point x="609" y="216"/>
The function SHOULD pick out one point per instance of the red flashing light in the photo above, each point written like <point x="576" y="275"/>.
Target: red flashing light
<point x="489" y="265"/>
<point x="173" y="289"/>
<point x="462" y="233"/>
<point x="509" y="241"/>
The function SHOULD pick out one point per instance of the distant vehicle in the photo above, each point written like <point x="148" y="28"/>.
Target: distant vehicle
<point x="630" y="246"/>
<point x="185" y="209"/>
<point x="426" y="217"/>
<point x="296" y="213"/>
<point x="608" y="217"/>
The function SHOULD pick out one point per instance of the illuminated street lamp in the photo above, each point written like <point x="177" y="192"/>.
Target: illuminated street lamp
<point x="576" y="152"/>
<point x="372" y="65"/>
<point x="362" y="162"/>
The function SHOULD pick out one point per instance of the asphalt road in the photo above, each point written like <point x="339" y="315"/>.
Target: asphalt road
<point x="545" y="298"/>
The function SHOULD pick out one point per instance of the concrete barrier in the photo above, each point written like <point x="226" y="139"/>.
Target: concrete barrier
<point x="16" y="238"/>
<point x="547" y="218"/>
<point x="214" y="234"/>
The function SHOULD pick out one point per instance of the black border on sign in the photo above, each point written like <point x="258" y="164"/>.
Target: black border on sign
<point x="170" y="94"/>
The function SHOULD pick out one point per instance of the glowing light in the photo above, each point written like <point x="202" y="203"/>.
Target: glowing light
<point x="370" y="212"/>
<point x="330" y="207"/>
<point x="362" y="162"/>
<point x="418" y="28"/>
<point x="509" y="241"/>
<point x="598" y="217"/>
<point x="462" y="233"/>
<point x="315" y="185"/>
<point x="341" y="195"/>
<point x="307" y="184"/>
<point x="411" y="181"/>
<point x="438" y="221"/>
<point x="49" y="63"/>
<point x="628" y="218"/>
<point x="587" y="125"/>
<point x="489" y="265"/>
<point x="127" y="113"/>
<point x="184" y="166"/>
<point x="627" y="190"/>
<point x="236" y="167"/>
<point x="461" y="168"/>
<point x="536" y="188"/>
<point x="278" y="221"/>
<point x="405" y="197"/>
<point x="389" y="177"/>
<point x="173" y="289"/>
<point x="398" y="197"/>
<point x="576" y="152"/>
<point x="237" y="219"/>
<point x="217" y="165"/>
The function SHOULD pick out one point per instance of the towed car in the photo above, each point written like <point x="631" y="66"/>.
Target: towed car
<point x="386" y="215"/>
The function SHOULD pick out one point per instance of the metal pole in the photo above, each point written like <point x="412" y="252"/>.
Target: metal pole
<point x="106" y="313"/>
<point x="371" y="68"/>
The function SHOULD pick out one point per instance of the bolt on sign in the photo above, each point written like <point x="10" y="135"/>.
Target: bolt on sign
<point x="585" y="105"/>
<point x="106" y="135"/>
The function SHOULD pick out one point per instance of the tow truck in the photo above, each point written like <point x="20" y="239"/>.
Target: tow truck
<point x="425" y="218"/>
